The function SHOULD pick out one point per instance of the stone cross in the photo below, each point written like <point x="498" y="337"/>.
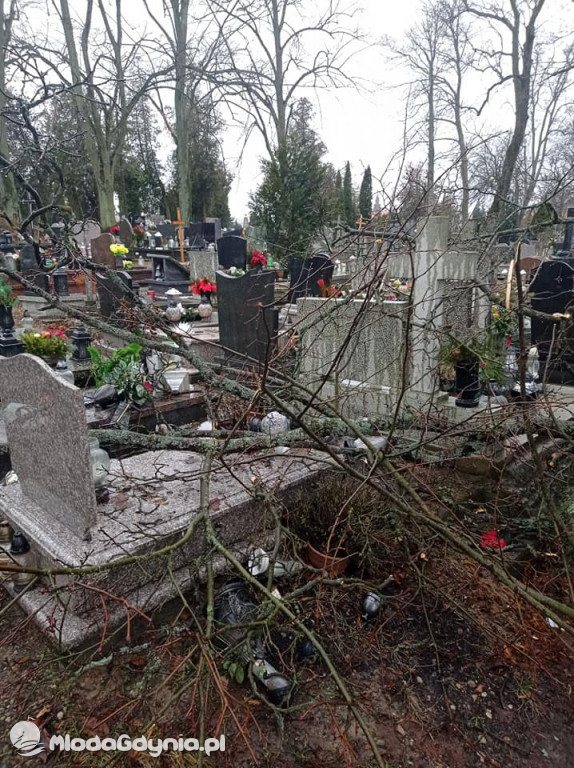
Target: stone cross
<point x="48" y="441"/>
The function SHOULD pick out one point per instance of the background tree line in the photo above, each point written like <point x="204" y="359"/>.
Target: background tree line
<point x="90" y="100"/>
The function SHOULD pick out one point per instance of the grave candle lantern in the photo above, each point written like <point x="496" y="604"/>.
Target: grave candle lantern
<point x="21" y="556"/>
<point x="6" y="534"/>
<point x="64" y="372"/>
<point x="100" y="462"/>
<point x="81" y="340"/>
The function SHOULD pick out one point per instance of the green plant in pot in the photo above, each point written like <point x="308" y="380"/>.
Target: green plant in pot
<point x="51" y="346"/>
<point x="466" y="358"/>
<point x="123" y="369"/>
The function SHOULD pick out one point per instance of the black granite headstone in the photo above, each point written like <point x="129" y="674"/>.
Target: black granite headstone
<point x="168" y="273"/>
<point x="232" y="252"/>
<point x="167" y="230"/>
<point x="30" y="267"/>
<point x="552" y="289"/>
<point x="247" y="318"/>
<point x="211" y="230"/>
<point x="112" y="295"/>
<point x="306" y="274"/>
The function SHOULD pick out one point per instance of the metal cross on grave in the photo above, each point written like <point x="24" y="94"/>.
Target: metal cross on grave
<point x="180" y="225"/>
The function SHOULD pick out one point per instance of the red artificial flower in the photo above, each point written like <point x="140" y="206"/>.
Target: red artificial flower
<point x="203" y="285"/>
<point x="490" y="540"/>
<point x="508" y="341"/>
<point x="393" y="297"/>
<point x="321" y="283"/>
<point x="258" y="258"/>
<point x="115" y="230"/>
<point x="148" y="385"/>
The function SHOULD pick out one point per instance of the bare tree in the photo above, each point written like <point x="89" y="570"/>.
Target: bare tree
<point x="519" y="25"/>
<point x="8" y="196"/>
<point x="275" y="54"/>
<point x="107" y="85"/>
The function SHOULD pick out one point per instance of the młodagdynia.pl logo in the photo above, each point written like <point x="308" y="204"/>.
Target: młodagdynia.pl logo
<point x="25" y="737"/>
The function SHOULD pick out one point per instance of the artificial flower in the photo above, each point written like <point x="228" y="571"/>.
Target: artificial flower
<point x="118" y="249"/>
<point x="203" y="285"/>
<point x="490" y="540"/>
<point x="258" y="258"/>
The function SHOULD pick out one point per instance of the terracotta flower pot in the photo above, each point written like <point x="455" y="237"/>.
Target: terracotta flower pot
<point x="335" y="565"/>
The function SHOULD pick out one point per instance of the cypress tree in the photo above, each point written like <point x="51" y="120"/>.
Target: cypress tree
<point x="366" y="194"/>
<point x="349" y="209"/>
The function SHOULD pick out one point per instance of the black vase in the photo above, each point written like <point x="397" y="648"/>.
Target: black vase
<point x="6" y="318"/>
<point x="467" y="384"/>
<point x="206" y="297"/>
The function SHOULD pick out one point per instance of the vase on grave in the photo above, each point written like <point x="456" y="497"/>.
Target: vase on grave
<point x="6" y="317"/>
<point x="467" y="384"/>
<point x="100" y="463"/>
<point x="205" y="309"/>
<point x="9" y="344"/>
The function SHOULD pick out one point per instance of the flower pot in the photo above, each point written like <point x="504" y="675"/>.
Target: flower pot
<point x="467" y="384"/>
<point x="335" y="565"/>
<point x="52" y="361"/>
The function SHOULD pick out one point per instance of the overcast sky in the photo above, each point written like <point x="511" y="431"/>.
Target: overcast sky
<point x="364" y="128"/>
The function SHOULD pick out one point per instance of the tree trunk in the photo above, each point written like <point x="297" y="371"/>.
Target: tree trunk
<point x="522" y="54"/>
<point x="181" y="108"/>
<point x="8" y="194"/>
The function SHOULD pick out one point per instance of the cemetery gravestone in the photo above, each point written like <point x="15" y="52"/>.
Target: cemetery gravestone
<point x="167" y="230"/>
<point x="30" y="267"/>
<point x="202" y="264"/>
<point x="306" y="274"/>
<point x="211" y="230"/>
<point x="126" y="233"/>
<point x="101" y="253"/>
<point x="86" y="231"/>
<point x="112" y="296"/>
<point x="46" y="430"/>
<point x="169" y="273"/>
<point x="247" y="319"/>
<point x="232" y="252"/>
<point x="552" y="289"/>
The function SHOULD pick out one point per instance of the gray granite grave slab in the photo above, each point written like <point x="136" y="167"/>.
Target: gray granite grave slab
<point x="126" y="232"/>
<point x="47" y="434"/>
<point x="202" y="264"/>
<point x="154" y="497"/>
